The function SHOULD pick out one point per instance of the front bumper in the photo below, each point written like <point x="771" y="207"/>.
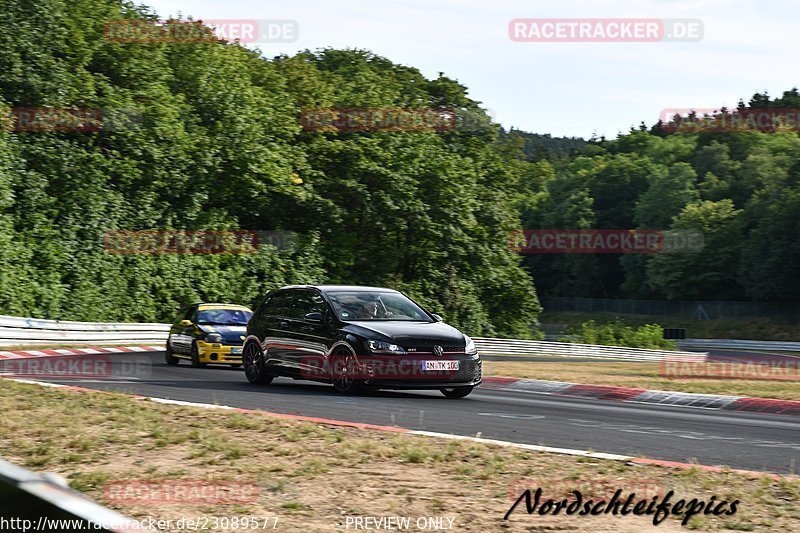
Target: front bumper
<point x="469" y="374"/>
<point x="219" y="353"/>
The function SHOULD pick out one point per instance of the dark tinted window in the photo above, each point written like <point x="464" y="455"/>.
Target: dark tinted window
<point x="182" y="314"/>
<point x="187" y="313"/>
<point x="307" y="301"/>
<point x="279" y="304"/>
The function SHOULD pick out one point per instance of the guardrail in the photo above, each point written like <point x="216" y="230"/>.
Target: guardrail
<point x="488" y="346"/>
<point x="44" y="502"/>
<point x="737" y="344"/>
<point x="31" y="331"/>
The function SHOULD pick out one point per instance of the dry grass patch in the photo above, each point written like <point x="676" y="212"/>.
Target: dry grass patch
<point x="313" y="476"/>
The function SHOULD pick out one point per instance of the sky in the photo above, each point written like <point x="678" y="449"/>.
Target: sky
<point x="561" y="88"/>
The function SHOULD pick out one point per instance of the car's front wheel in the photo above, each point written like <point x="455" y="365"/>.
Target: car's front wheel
<point x="196" y="357"/>
<point x="255" y="369"/>
<point x="170" y="358"/>
<point x="457" y="392"/>
<point x="343" y="371"/>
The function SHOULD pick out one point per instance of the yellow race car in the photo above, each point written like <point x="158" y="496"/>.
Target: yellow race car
<point x="208" y="333"/>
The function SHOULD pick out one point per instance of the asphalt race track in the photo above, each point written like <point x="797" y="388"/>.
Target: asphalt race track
<point x="723" y="438"/>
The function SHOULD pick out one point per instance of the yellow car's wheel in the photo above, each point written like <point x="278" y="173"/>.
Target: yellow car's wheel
<point x="196" y="357"/>
<point x="170" y="358"/>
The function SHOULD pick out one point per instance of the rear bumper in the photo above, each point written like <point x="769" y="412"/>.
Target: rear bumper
<point x="219" y="353"/>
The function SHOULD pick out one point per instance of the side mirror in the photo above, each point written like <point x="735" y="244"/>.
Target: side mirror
<point x="437" y="317"/>
<point x="185" y="323"/>
<point x="314" y="317"/>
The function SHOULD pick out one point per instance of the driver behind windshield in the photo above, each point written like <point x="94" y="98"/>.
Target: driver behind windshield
<point x="372" y="309"/>
<point x="232" y="317"/>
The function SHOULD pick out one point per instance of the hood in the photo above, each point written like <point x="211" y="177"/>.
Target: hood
<point x="230" y="334"/>
<point x="409" y="334"/>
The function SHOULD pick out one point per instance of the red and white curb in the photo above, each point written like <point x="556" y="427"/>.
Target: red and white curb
<point x="394" y="429"/>
<point x="535" y="386"/>
<point x="628" y="394"/>
<point x="60" y="352"/>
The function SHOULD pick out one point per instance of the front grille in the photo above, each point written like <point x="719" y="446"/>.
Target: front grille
<point x="429" y="349"/>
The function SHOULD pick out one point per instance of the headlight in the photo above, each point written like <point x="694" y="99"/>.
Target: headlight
<point x="214" y="338"/>
<point x="384" y="347"/>
<point x="470" y="349"/>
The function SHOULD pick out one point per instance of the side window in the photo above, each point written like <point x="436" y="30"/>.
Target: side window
<point x="259" y="311"/>
<point x="185" y="313"/>
<point x="181" y="313"/>
<point x="279" y="304"/>
<point x="306" y="302"/>
<point x="191" y="314"/>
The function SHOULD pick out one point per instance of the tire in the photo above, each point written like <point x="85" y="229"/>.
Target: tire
<point x="255" y="370"/>
<point x="196" y="357"/>
<point x="343" y="372"/>
<point x="457" y="392"/>
<point x="169" y="358"/>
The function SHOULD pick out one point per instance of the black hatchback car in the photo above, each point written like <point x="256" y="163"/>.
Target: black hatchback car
<point x="357" y="337"/>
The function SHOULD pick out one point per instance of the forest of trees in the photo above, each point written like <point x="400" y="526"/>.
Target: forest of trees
<point x="215" y="141"/>
<point x="740" y="189"/>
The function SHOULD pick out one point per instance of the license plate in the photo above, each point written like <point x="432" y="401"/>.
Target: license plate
<point x="236" y="350"/>
<point x="439" y="365"/>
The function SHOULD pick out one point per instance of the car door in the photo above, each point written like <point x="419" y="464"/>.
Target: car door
<point x="308" y="337"/>
<point x="273" y="326"/>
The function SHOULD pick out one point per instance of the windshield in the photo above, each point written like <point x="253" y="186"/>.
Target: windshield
<point x="227" y="317"/>
<point x="376" y="305"/>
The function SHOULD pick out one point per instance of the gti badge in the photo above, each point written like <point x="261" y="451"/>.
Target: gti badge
<point x="438" y="350"/>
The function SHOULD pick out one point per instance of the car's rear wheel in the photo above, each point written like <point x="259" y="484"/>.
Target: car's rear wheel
<point x="457" y="392"/>
<point x="255" y="368"/>
<point x="343" y="371"/>
<point x="170" y="358"/>
<point x="196" y="357"/>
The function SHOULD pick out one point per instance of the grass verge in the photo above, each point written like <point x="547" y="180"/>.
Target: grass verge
<point x="313" y="476"/>
<point x="645" y="376"/>
<point x="755" y="329"/>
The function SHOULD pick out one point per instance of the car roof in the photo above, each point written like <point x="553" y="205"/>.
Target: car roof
<point x="330" y="288"/>
<point x="214" y="305"/>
